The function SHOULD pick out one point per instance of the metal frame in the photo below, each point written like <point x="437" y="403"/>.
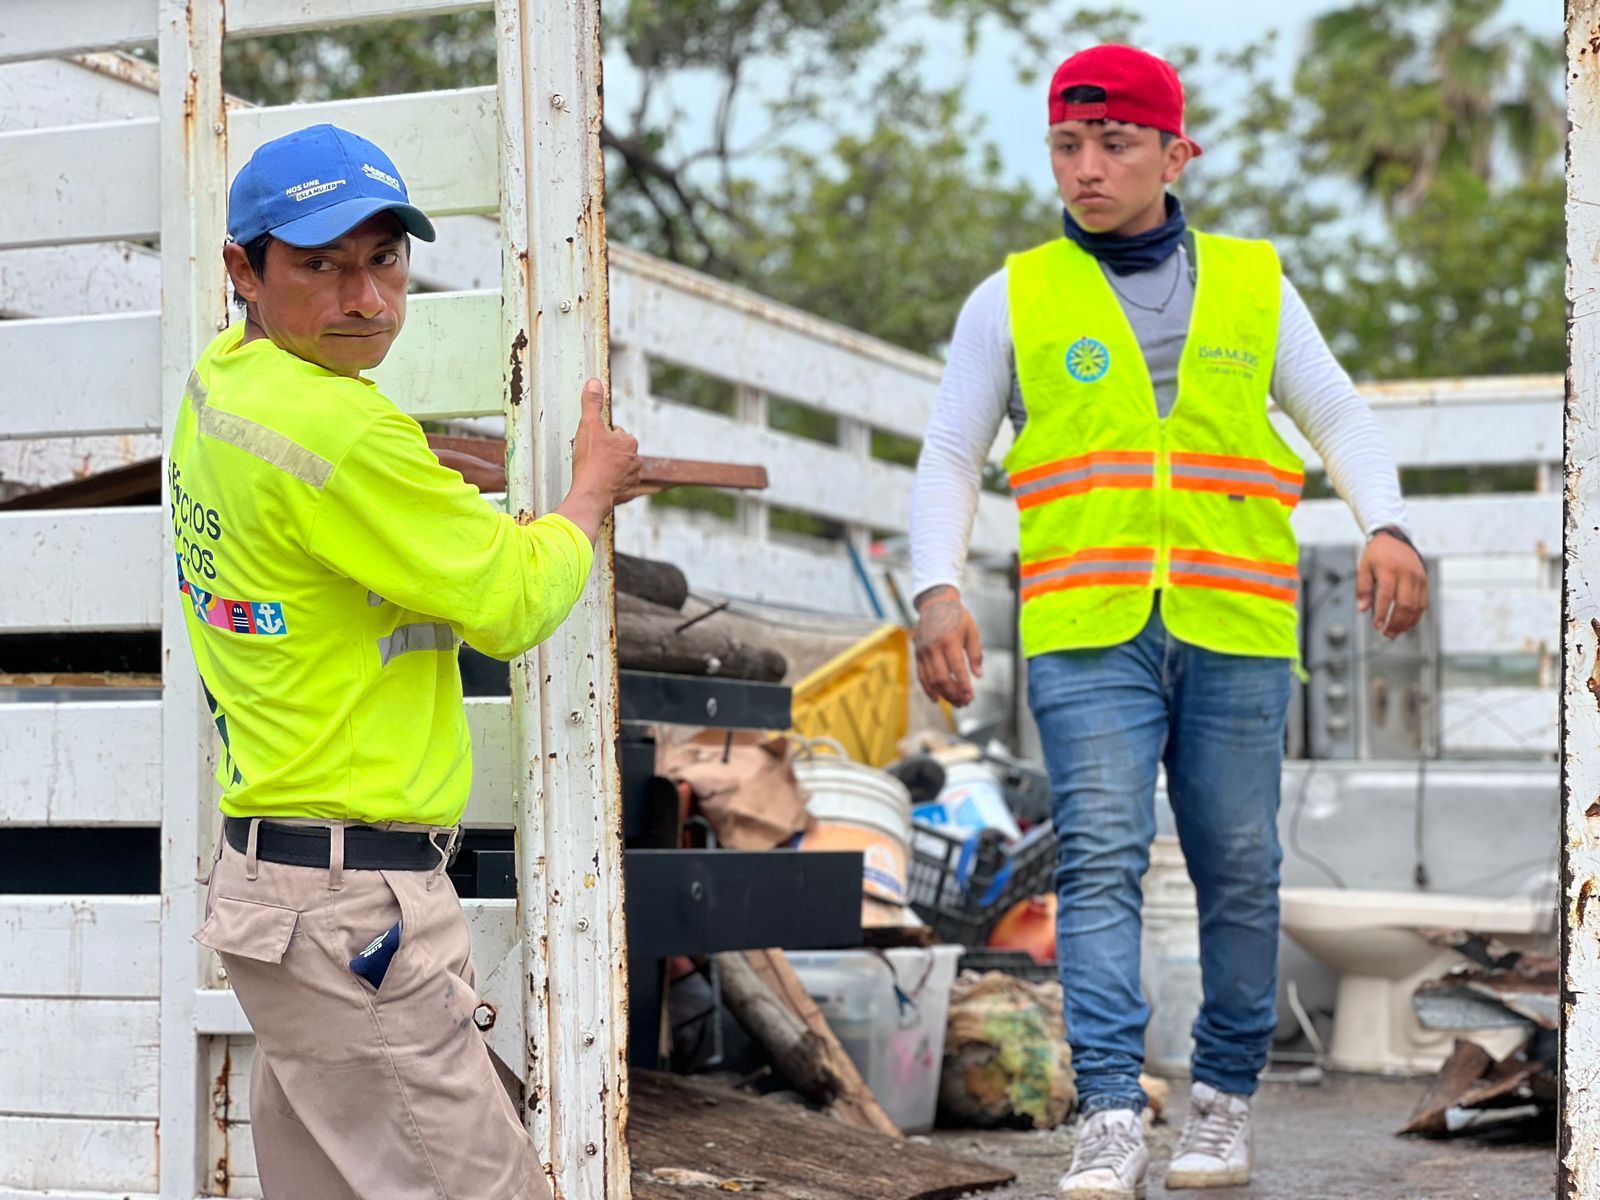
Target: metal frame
<point x="567" y="788"/>
<point x="1578" y="1172"/>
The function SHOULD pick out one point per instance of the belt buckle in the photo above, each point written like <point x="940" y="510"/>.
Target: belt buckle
<point x="453" y="846"/>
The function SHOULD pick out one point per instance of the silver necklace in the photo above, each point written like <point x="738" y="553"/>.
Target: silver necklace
<point x="1177" y="270"/>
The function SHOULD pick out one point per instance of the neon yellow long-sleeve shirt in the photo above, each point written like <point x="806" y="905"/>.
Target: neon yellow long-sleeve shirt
<point x="331" y="567"/>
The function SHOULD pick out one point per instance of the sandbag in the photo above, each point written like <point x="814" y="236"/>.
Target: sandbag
<point x="1006" y="1060"/>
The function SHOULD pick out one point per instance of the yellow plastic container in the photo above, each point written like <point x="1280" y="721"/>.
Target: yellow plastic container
<point x="861" y="699"/>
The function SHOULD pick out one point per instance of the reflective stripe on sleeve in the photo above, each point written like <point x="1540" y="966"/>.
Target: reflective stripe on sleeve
<point x="270" y="446"/>
<point x="406" y="638"/>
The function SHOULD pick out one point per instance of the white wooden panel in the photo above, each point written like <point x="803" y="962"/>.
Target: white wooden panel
<point x="446" y="363"/>
<point x="99" y="374"/>
<point x="680" y="316"/>
<point x="84" y="183"/>
<point x="1499" y="620"/>
<point x="443" y="142"/>
<point x="40" y="1153"/>
<point x="42" y="462"/>
<point x="78" y="1058"/>
<point x="44" y="28"/>
<point x="803" y="474"/>
<point x="1522" y="523"/>
<point x="71" y="281"/>
<point x="1513" y="721"/>
<point x="92" y="763"/>
<point x="1506" y="433"/>
<point x="97" y="183"/>
<point x="85" y="568"/>
<point x="56" y="91"/>
<point x="489" y="719"/>
<point x="80" y="946"/>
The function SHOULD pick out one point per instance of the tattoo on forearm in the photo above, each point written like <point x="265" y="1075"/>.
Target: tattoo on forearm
<point x="939" y="618"/>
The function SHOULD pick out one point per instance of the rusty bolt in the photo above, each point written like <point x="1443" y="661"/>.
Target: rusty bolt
<point x="220" y="1175"/>
<point x="558" y="101"/>
<point x="484" y="1016"/>
<point x="565" y="306"/>
<point x="591" y="1149"/>
<point x="583" y="924"/>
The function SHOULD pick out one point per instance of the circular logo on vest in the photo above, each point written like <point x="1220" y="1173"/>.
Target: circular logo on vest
<point x="1088" y="360"/>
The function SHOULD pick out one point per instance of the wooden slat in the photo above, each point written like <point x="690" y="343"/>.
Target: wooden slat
<point x="82" y="183"/>
<point x="680" y="316"/>
<point x="80" y="946"/>
<point x="98" y="183"/>
<point x="1499" y="620"/>
<point x="72" y="281"/>
<point x="89" y="568"/>
<point x="71" y="389"/>
<point x="1515" y="721"/>
<point x="1509" y="433"/>
<point x="46" y="28"/>
<point x="797" y="468"/>
<point x="92" y="763"/>
<point x="447" y="361"/>
<point x="1522" y="523"/>
<point x="445" y="365"/>
<point x="78" y="1058"/>
<point x="64" y="1156"/>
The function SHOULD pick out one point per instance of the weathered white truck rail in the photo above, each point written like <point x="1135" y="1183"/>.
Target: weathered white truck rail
<point x="83" y="368"/>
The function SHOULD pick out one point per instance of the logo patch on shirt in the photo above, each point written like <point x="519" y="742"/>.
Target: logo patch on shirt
<point x="1230" y="360"/>
<point x="264" y="617"/>
<point x="1088" y="360"/>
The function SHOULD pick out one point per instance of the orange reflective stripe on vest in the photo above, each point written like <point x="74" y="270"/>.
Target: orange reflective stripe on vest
<point x="1084" y="473"/>
<point x="1098" y="566"/>
<point x="1254" y="577"/>
<point x="1236" y="477"/>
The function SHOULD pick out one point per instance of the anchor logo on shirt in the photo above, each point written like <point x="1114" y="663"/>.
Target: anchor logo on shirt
<point x="267" y="619"/>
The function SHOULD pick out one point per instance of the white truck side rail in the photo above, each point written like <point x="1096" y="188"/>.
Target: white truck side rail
<point x="82" y="982"/>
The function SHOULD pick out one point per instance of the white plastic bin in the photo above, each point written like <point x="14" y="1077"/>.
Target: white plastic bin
<point x="895" y="1040"/>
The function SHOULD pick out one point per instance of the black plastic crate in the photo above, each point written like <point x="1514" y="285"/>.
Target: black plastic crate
<point x="961" y="886"/>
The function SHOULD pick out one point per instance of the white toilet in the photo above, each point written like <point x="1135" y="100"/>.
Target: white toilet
<point x="1374" y="940"/>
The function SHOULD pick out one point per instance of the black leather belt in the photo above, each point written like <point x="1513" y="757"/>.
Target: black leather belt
<point x="365" y="848"/>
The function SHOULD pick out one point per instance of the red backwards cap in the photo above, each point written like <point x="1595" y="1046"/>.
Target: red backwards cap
<point x="1140" y="89"/>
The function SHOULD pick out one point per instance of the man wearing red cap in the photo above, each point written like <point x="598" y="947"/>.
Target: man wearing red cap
<point x="1134" y="358"/>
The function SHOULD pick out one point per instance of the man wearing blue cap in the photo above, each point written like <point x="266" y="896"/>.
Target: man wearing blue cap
<point x="331" y="566"/>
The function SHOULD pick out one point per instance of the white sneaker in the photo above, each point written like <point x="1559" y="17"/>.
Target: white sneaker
<point x="1110" y="1161"/>
<point x="1214" y="1150"/>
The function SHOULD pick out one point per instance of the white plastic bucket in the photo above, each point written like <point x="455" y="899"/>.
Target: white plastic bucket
<point x="1170" y="960"/>
<point x="858" y="808"/>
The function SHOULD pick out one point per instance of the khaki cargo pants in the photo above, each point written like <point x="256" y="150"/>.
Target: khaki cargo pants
<point x="363" y="1094"/>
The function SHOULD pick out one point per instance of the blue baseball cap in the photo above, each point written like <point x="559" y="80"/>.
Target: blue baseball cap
<point x="313" y="186"/>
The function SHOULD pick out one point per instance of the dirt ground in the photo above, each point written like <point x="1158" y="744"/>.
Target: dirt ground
<point x="1330" y="1141"/>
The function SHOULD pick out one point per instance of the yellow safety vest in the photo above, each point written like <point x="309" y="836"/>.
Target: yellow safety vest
<point x="1117" y="503"/>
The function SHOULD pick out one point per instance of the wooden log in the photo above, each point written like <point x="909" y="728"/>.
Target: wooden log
<point x="765" y="996"/>
<point x="653" y="638"/>
<point x="658" y="582"/>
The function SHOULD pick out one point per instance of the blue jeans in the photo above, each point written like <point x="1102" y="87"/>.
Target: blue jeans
<point x="1108" y="718"/>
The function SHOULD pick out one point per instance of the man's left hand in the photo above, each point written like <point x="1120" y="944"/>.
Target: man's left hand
<point x="1392" y="585"/>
